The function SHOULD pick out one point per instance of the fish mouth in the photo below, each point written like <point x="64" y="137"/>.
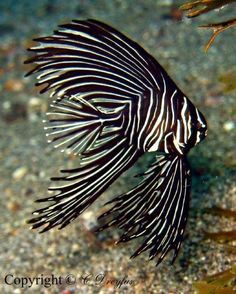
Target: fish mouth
<point x="203" y="135"/>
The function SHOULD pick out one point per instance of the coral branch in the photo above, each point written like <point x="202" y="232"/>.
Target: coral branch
<point x="221" y="236"/>
<point x="199" y="7"/>
<point x="217" y="29"/>
<point x="222" y="212"/>
<point x="222" y="282"/>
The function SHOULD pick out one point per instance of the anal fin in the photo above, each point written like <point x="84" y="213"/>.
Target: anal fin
<point x="83" y="185"/>
<point x="156" y="209"/>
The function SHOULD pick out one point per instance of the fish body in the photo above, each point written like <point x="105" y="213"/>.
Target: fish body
<point x="114" y="102"/>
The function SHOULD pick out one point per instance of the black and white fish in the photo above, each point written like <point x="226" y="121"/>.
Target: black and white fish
<point x="114" y="102"/>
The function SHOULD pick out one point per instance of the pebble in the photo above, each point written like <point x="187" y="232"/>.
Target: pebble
<point x="13" y="206"/>
<point x="180" y="43"/>
<point x="51" y="249"/>
<point x="14" y="85"/>
<point x="75" y="247"/>
<point x="6" y="105"/>
<point x="89" y="220"/>
<point x="87" y="216"/>
<point x="228" y="126"/>
<point x="19" y="173"/>
<point x="166" y="3"/>
<point x="36" y="106"/>
<point x="13" y="111"/>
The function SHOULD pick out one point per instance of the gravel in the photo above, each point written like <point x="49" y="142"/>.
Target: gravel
<point x="27" y="162"/>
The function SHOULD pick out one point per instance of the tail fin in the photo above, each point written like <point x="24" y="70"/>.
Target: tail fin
<point x="157" y="208"/>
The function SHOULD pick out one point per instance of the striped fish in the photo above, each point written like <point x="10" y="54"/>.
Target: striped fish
<point x="114" y="102"/>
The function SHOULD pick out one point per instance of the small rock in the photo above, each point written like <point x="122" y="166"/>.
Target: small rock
<point x="13" y="111"/>
<point x="14" y="85"/>
<point x="6" y="105"/>
<point x="19" y="173"/>
<point x="51" y="249"/>
<point x="29" y="191"/>
<point x="13" y="206"/>
<point x="8" y="192"/>
<point x="228" y="126"/>
<point x="35" y="108"/>
<point x="75" y="247"/>
<point x="166" y="3"/>
<point x="88" y="215"/>
<point x="89" y="220"/>
<point x="185" y="278"/>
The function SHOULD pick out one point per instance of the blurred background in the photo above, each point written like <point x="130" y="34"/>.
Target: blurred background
<point x="28" y="162"/>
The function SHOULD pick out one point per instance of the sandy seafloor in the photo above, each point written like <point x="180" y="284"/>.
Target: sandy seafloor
<point x="27" y="162"/>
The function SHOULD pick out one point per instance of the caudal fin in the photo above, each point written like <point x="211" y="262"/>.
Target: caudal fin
<point x="156" y="209"/>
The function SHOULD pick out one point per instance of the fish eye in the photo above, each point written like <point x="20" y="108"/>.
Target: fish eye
<point x="199" y="126"/>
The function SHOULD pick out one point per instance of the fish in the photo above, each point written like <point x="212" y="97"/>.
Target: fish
<point x="113" y="102"/>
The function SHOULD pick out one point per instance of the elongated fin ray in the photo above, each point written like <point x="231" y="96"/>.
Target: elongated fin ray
<point x="94" y="59"/>
<point x="73" y="123"/>
<point x="84" y="184"/>
<point x="156" y="209"/>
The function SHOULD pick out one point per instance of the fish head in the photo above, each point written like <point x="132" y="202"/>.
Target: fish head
<point x="198" y="127"/>
<point x="189" y="130"/>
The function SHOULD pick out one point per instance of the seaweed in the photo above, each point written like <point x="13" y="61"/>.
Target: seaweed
<point x="223" y="282"/>
<point x="222" y="212"/>
<point x="222" y="237"/>
<point x="228" y="80"/>
<point x="220" y="283"/>
<point x="200" y="7"/>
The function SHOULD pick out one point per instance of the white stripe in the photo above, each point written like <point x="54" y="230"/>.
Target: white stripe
<point x="75" y="69"/>
<point x="155" y="146"/>
<point x="165" y="142"/>
<point x="62" y="92"/>
<point x="147" y="118"/>
<point x="189" y="126"/>
<point x="142" y="66"/>
<point x="184" y="119"/>
<point x="172" y="108"/>
<point x="199" y="119"/>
